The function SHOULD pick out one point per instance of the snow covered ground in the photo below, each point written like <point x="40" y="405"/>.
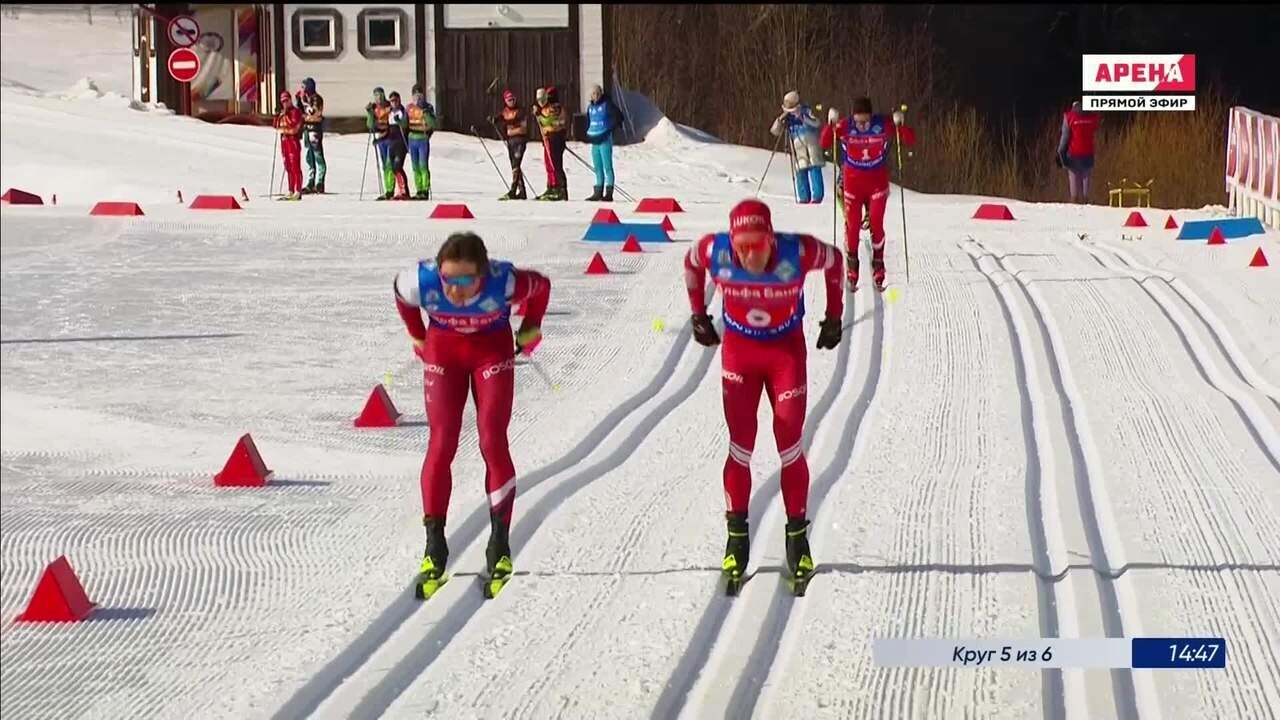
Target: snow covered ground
<point x="1055" y="428"/>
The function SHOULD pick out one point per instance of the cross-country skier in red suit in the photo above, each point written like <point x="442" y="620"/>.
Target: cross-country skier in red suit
<point x="761" y="275"/>
<point x="866" y="139"/>
<point x="467" y="346"/>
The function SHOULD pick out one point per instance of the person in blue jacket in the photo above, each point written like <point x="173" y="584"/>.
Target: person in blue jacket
<point x="803" y="129"/>
<point x="603" y="117"/>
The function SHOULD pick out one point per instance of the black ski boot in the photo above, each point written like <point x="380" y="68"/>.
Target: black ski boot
<point x="736" y="552"/>
<point x="434" y="559"/>
<point x="309" y="190"/>
<point x="799" y="561"/>
<point x="608" y="193"/>
<point x="877" y="273"/>
<point x="497" y="557"/>
<point x="319" y="188"/>
<point x="597" y="194"/>
<point x="852" y="271"/>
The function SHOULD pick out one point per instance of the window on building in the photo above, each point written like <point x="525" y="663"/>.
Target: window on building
<point x="317" y="33"/>
<point x="382" y="32"/>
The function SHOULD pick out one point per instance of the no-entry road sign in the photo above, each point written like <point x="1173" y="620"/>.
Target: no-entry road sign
<point x="184" y="64"/>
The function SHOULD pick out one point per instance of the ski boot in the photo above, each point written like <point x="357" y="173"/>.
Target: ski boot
<point x="597" y="194"/>
<point x="548" y="195"/>
<point x="309" y="190"/>
<point x="736" y="552"/>
<point x="608" y="193"/>
<point x="385" y="196"/>
<point x="497" y="557"/>
<point x="431" y="573"/>
<point x="852" y="273"/>
<point x="320" y="188"/>
<point x="422" y="194"/>
<point x="877" y="274"/>
<point x="799" y="561"/>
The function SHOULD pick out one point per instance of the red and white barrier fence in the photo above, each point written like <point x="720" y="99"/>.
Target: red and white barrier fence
<point x="1253" y="165"/>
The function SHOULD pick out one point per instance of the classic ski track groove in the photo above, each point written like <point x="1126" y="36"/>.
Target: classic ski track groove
<point x="1052" y="692"/>
<point x="1236" y="390"/>
<point x="698" y="653"/>
<point x="1222" y="536"/>
<point x="1072" y="428"/>
<point x="1226" y="343"/>
<point x="778" y="612"/>
<point x="401" y="676"/>
<point x="352" y="658"/>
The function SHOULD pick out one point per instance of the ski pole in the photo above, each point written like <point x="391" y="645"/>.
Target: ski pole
<point x="791" y="154"/>
<point x="486" y="152"/>
<point x="365" y="175"/>
<point x="272" y="183"/>
<point x="625" y="195"/>
<point x="768" y="165"/>
<point x="537" y="366"/>
<point x="897" y="144"/>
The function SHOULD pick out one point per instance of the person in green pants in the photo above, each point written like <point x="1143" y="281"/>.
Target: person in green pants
<point x="422" y="123"/>
<point x="312" y="135"/>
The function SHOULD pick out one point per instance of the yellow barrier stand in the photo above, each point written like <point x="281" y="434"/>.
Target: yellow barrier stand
<point x="1140" y="193"/>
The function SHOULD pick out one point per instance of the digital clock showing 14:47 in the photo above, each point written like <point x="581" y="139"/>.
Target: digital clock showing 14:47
<point x="1187" y="653"/>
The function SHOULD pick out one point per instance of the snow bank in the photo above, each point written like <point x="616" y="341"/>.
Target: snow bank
<point x="51" y="48"/>
<point x="645" y="120"/>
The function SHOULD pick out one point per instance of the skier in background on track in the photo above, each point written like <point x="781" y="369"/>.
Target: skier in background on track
<point x="398" y="145"/>
<point x="554" y="128"/>
<point x="289" y="122"/>
<point x="312" y="106"/>
<point x="865" y="138"/>
<point x="514" y="129"/>
<point x="603" y="118"/>
<point x="761" y="275"/>
<point x="467" y="346"/>
<point x="802" y="128"/>
<point x="1075" y="149"/>
<point x="422" y="123"/>
<point x="377" y="115"/>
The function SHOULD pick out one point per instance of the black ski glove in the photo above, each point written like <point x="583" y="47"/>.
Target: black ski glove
<point x="829" y="334"/>
<point x="703" y="331"/>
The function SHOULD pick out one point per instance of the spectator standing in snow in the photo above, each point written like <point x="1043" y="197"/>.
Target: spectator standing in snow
<point x="802" y="128"/>
<point x="289" y="122"/>
<point x="312" y="106"/>
<point x="603" y="117"/>
<point x="554" y="128"/>
<point x="398" y="149"/>
<point x="515" y="130"/>
<point x="1075" y="149"/>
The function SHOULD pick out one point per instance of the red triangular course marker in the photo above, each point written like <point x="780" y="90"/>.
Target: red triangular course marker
<point x="1259" y="259"/>
<point x="992" y="211"/>
<point x="451" y="211"/>
<point x="244" y="468"/>
<point x="1170" y="224"/>
<point x="666" y="223"/>
<point x="632" y="244"/>
<point x="597" y="266"/>
<point x="379" y="411"/>
<point x="59" y="596"/>
<point x="1216" y="237"/>
<point x="14" y="196"/>
<point x="605" y="216"/>
<point x="1135" y="219"/>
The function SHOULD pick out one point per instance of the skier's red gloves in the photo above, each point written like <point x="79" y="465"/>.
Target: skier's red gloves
<point x="703" y="331"/>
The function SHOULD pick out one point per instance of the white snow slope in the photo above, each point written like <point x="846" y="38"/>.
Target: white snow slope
<point x="1050" y="430"/>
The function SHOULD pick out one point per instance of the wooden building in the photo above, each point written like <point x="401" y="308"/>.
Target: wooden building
<point x="463" y="56"/>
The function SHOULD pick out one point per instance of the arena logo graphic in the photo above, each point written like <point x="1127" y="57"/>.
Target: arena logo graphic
<point x="793" y="392"/>
<point x="499" y="368"/>
<point x="785" y="270"/>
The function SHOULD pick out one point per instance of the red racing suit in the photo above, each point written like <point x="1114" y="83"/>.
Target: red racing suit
<point x="763" y="349"/>
<point x="469" y="348"/>
<point x="289" y="123"/>
<point x="865" y="178"/>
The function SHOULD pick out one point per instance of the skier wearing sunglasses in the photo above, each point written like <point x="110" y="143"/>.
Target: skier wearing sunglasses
<point x="761" y="276"/>
<point x="466" y="347"/>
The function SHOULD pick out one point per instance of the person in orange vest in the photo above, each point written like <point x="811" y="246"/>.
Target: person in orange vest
<point x="377" y="117"/>
<point x="1075" y="149"/>
<point x="422" y="123"/>
<point x="289" y="122"/>
<point x="551" y="122"/>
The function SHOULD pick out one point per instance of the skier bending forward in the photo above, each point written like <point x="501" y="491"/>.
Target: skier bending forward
<point x="467" y="347"/>
<point x="761" y="277"/>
